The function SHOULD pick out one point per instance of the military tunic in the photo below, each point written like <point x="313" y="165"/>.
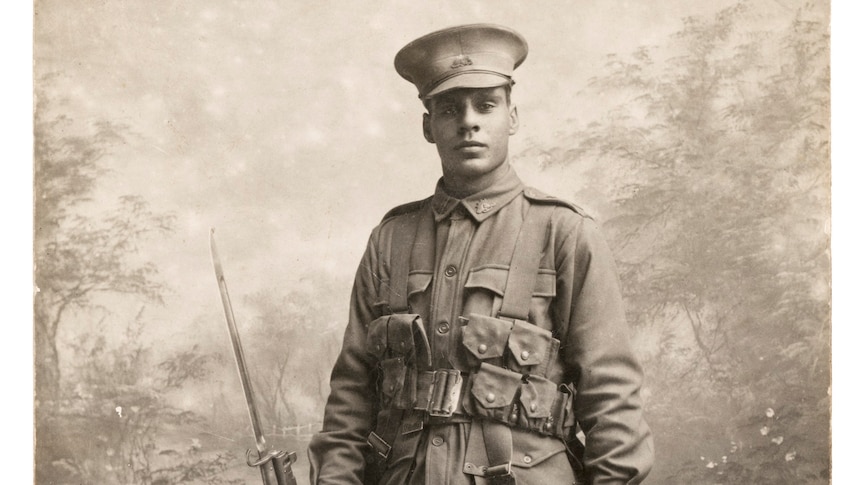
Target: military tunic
<point x="575" y="297"/>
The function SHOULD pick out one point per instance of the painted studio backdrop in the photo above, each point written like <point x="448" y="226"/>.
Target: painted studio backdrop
<point x="697" y="133"/>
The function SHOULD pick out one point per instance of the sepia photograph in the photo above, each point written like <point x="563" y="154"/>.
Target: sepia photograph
<point x="432" y="243"/>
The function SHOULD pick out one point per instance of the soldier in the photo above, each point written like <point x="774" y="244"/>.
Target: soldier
<point x="486" y="324"/>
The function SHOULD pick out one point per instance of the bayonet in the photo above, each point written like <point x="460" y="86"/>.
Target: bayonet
<point x="274" y="465"/>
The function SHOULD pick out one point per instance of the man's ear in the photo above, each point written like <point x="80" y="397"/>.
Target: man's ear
<point x="513" y="120"/>
<point x="426" y="127"/>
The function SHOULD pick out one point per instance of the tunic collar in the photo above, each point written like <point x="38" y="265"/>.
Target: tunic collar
<point x="480" y="205"/>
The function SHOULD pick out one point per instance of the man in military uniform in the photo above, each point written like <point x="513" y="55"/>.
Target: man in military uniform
<point x="486" y="324"/>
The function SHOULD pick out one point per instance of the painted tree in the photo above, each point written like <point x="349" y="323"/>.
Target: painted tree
<point x="81" y="251"/>
<point x="295" y="342"/>
<point x="118" y="425"/>
<point x="718" y="153"/>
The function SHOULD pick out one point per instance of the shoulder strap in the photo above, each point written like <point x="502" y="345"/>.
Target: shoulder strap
<point x="414" y="206"/>
<point x="538" y="197"/>
<point x="525" y="262"/>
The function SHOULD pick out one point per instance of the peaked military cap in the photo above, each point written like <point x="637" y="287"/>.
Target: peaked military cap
<point x="466" y="56"/>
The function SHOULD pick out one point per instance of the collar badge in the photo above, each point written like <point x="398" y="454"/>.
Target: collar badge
<point x="484" y="205"/>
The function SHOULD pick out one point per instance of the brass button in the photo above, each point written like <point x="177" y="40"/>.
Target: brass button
<point x="482" y="348"/>
<point x="528" y="459"/>
<point x="443" y="328"/>
<point x="525" y="355"/>
<point x="490" y="397"/>
<point x="533" y="406"/>
<point x="437" y="441"/>
<point x="450" y="271"/>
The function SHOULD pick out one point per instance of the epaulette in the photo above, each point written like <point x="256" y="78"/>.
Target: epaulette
<point x="406" y="208"/>
<point x="539" y="197"/>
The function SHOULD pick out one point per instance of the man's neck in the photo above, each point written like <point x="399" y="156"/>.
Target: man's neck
<point x="460" y="188"/>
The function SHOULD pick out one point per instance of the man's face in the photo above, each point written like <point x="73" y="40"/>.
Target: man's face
<point x="471" y="128"/>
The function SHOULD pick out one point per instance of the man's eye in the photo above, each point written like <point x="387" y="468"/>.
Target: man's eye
<point x="487" y="106"/>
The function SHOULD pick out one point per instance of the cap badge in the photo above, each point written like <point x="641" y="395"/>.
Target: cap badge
<point x="461" y="61"/>
<point x="484" y="206"/>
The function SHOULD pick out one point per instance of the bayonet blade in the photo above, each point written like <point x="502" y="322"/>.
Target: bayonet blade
<point x="238" y="354"/>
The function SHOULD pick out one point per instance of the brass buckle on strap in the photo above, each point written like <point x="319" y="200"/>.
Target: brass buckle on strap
<point x="498" y="475"/>
<point x="379" y="445"/>
<point x="445" y="393"/>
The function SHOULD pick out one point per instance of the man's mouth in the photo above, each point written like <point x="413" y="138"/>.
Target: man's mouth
<point x="469" y="144"/>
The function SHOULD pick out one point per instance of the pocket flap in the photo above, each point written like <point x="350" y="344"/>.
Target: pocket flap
<point x="375" y="341"/>
<point x="494" y="278"/>
<point x="537" y="396"/>
<point x="495" y="387"/>
<point x="417" y="283"/>
<point x="485" y="337"/>
<point x="531" y="449"/>
<point x="546" y="283"/>
<point x="529" y="344"/>
<point x="491" y="278"/>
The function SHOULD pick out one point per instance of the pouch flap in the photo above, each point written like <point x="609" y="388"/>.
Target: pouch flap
<point x="375" y="341"/>
<point x="537" y="396"/>
<point x="400" y="333"/>
<point x="529" y="344"/>
<point x="494" y="387"/>
<point x="485" y="337"/>
<point x="394" y="374"/>
<point x="417" y="282"/>
<point x="489" y="277"/>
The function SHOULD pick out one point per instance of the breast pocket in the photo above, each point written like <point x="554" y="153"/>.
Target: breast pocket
<point x="486" y="285"/>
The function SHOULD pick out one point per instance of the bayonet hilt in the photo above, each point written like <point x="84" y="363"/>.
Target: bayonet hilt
<point x="275" y="463"/>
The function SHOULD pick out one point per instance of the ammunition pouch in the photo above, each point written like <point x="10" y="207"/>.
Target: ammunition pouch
<point x="397" y="341"/>
<point x="513" y="344"/>
<point x="508" y="385"/>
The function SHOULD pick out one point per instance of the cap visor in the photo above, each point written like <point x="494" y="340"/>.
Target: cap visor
<point x="469" y="80"/>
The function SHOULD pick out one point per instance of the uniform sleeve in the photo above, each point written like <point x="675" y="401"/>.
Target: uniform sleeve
<point x="599" y="358"/>
<point x="336" y="453"/>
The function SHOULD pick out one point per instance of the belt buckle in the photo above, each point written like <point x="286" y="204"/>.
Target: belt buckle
<point x="445" y="393"/>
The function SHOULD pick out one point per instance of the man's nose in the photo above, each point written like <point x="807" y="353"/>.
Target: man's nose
<point x="469" y="119"/>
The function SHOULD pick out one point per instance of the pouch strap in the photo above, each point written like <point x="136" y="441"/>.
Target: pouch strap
<point x="498" y="446"/>
<point x="412" y="227"/>
<point x="525" y="262"/>
<point x="403" y="236"/>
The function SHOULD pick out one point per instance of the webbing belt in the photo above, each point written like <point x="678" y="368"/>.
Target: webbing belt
<point x="440" y="395"/>
<point x="403" y="240"/>
<point x="525" y="263"/>
<point x="444" y="400"/>
<point x="401" y="259"/>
